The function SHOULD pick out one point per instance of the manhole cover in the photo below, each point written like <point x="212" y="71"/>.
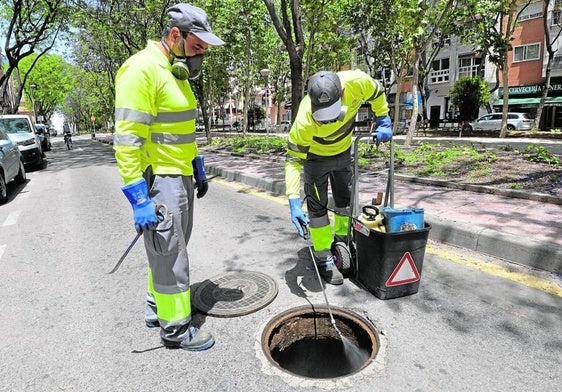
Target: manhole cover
<point x="235" y="293"/>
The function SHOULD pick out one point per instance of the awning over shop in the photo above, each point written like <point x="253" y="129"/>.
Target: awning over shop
<point x="530" y="102"/>
<point x="518" y="101"/>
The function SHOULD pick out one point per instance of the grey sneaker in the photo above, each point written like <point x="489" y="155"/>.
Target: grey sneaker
<point x="329" y="272"/>
<point x="196" y="340"/>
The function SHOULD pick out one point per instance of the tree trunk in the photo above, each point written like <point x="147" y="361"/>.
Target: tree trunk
<point x="413" y="119"/>
<point x="505" y="82"/>
<point x="549" y="41"/>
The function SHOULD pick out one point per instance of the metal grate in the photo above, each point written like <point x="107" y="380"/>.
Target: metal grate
<point x="235" y="293"/>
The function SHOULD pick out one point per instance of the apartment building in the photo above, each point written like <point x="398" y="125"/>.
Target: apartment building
<point x="528" y="62"/>
<point x="526" y="75"/>
<point x="453" y="62"/>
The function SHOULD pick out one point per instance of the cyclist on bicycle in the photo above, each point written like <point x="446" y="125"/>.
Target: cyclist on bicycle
<point x="67" y="137"/>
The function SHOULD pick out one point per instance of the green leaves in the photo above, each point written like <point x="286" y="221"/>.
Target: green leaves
<point x="52" y="79"/>
<point x="468" y="94"/>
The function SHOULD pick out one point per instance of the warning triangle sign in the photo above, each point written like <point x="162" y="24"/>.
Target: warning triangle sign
<point x="404" y="273"/>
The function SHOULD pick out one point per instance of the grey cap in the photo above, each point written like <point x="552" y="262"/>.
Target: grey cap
<point x="324" y="89"/>
<point x="189" y="18"/>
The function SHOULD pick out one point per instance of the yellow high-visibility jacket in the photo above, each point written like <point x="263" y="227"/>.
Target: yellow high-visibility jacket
<point x="306" y="135"/>
<point x="154" y="117"/>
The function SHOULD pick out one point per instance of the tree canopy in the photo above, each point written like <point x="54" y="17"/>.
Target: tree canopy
<point x="393" y="40"/>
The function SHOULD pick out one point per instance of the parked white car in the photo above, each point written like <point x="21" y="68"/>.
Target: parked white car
<point x="11" y="165"/>
<point x="493" y="121"/>
<point x="20" y="130"/>
<point x="284" y="126"/>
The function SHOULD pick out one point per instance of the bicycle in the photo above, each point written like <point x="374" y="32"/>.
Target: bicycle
<point x="68" y="141"/>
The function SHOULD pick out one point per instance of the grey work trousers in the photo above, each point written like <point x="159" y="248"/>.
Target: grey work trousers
<point x="166" y="248"/>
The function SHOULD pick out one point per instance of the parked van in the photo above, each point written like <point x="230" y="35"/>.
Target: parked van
<point x="21" y="131"/>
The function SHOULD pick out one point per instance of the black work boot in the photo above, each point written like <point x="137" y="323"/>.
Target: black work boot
<point x="328" y="270"/>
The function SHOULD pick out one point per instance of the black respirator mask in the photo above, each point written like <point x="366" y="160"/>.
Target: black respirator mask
<point x="185" y="67"/>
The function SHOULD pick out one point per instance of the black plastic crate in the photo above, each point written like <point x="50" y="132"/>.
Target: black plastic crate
<point x="389" y="265"/>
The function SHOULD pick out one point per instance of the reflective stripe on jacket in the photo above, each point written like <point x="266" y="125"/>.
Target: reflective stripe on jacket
<point x="307" y="135"/>
<point x="154" y="117"/>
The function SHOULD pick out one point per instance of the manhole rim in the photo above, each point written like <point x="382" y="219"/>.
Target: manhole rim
<point x="209" y="311"/>
<point x="365" y="324"/>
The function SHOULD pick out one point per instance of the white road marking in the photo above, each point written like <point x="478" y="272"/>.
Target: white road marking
<point x="12" y="218"/>
<point x="2" y="247"/>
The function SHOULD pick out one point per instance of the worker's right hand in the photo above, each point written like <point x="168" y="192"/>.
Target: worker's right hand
<point x="298" y="216"/>
<point x="144" y="210"/>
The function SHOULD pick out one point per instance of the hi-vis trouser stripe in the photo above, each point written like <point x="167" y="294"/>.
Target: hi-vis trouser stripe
<point x="173" y="308"/>
<point x="320" y="229"/>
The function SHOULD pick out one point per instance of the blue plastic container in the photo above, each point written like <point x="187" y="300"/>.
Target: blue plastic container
<point x="406" y="219"/>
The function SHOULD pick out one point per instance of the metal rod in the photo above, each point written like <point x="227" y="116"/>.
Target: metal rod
<point x="332" y="320"/>
<point x="126" y="253"/>
<point x="161" y="214"/>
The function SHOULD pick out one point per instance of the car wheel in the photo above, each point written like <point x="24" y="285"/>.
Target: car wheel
<point x="3" y="190"/>
<point x="21" y="177"/>
<point x="510" y="127"/>
<point x="41" y="163"/>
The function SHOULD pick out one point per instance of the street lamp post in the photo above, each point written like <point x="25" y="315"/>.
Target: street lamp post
<point x="265" y="73"/>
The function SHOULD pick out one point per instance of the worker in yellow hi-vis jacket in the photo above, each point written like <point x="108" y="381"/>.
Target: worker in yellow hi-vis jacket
<point x="320" y="141"/>
<point x="158" y="160"/>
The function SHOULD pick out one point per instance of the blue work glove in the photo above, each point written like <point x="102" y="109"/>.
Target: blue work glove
<point x="144" y="210"/>
<point x="297" y="215"/>
<point x="382" y="130"/>
<point x="200" y="176"/>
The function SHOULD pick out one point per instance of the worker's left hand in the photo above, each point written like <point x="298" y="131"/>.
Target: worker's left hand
<point x="200" y="177"/>
<point x="382" y="130"/>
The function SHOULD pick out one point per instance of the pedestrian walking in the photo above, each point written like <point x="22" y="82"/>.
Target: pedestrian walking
<point x="320" y="141"/>
<point x="158" y="160"/>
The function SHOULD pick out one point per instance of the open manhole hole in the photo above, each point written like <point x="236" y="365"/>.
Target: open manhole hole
<point x="303" y="342"/>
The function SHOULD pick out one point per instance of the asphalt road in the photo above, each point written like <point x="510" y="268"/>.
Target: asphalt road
<point x="68" y="326"/>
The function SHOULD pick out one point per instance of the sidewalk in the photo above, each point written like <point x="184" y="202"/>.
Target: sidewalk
<point x="527" y="232"/>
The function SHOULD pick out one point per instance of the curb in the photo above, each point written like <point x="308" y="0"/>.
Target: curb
<point x="484" y="189"/>
<point x="535" y="254"/>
